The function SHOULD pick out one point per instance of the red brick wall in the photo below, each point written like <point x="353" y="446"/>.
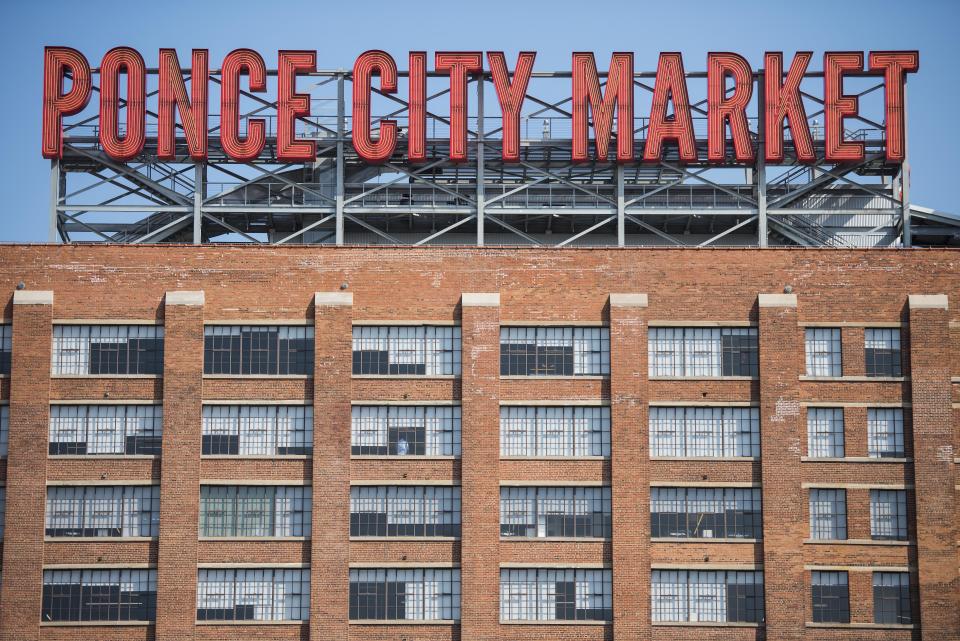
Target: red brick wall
<point x="26" y="490"/>
<point x="180" y="471"/>
<point x="254" y="284"/>
<point x="480" y="493"/>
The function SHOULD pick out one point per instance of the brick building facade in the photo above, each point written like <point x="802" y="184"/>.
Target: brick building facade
<point x="427" y="444"/>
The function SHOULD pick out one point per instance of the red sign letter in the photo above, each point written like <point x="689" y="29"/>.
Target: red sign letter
<point x="895" y="65"/>
<point x="511" y="97"/>
<point x="417" y="108"/>
<point x="838" y="106"/>
<point x="671" y="83"/>
<point x="367" y="64"/>
<point x="58" y="62"/>
<point x="292" y="105"/>
<point x="460" y="64"/>
<point x="721" y="109"/>
<point x="237" y="62"/>
<point x="619" y="90"/>
<point x="193" y="108"/>
<point x="783" y="101"/>
<point x="116" y="61"/>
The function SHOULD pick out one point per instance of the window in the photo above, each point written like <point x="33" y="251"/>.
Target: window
<point x="828" y="514"/>
<point x="392" y="430"/>
<point x="541" y="594"/>
<point x="831" y="597"/>
<point x="99" y="595"/>
<point x="103" y="511"/>
<point x="6" y="348"/>
<point x="105" y="429"/>
<point x="891" y="598"/>
<point x="554" y="351"/>
<point x="404" y="511"/>
<point x="3" y="508"/>
<point x="888" y="515"/>
<point x="713" y="432"/>
<point x="406" y="351"/>
<point x="705" y="513"/>
<point x="253" y="594"/>
<point x="257" y="350"/>
<point x="555" y="511"/>
<point x="107" y="349"/>
<point x="885" y="433"/>
<point x="825" y="432"/>
<point x="4" y="428"/>
<point x="695" y="596"/>
<point x="882" y="352"/>
<point x="702" y="351"/>
<point x="822" y="347"/>
<point x="388" y="594"/>
<point x="554" y="431"/>
<point x="257" y="430"/>
<point x="254" y="511"/>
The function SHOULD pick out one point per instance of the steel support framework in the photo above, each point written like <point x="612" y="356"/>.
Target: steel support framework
<point x="545" y="199"/>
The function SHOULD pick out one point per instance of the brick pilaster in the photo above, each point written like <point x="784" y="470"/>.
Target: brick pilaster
<point x="781" y="433"/>
<point x="26" y="466"/>
<point x="180" y="465"/>
<point x="479" y="560"/>
<point x="630" y="466"/>
<point x="332" y="393"/>
<point x="933" y="465"/>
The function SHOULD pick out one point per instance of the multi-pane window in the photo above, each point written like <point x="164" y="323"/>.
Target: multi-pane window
<point x="105" y="429"/>
<point x="891" y="598"/>
<point x="99" y="595"/>
<point x="825" y="432"/>
<point x="882" y="352"/>
<point x="257" y="350"/>
<point x="828" y="514"/>
<point x="405" y="510"/>
<point x="103" y="511"/>
<point x="822" y="348"/>
<point x="555" y="511"/>
<point x="542" y="594"/>
<point x="831" y="597"/>
<point x="257" y="430"/>
<point x="6" y="348"/>
<point x="107" y="349"/>
<point x="715" y="432"/>
<point x="705" y="513"/>
<point x="406" y="351"/>
<point x="253" y="594"/>
<point x="703" y="351"/>
<point x="395" y="430"/>
<point x="404" y="594"/>
<point x="254" y="511"/>
<point x="888" y="515"/>
<point x="3" y="508"/>
<point x="4" y="428"/>
<point x="713" y="596"/>
<point x="554" y="351"/>
<point x="554" y="431"/>
<point x="885" y="433"/>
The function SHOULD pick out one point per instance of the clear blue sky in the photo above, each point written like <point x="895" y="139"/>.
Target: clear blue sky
<point x="341" y="30"/>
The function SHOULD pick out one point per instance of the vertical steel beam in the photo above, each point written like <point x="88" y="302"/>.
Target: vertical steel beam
<point x="199" y="192"/>
<point x="481" y="195"/>
<point x="905" y="221"/>
<point x="53" y="235"/>
<point x="760" y="175"/>
<point x="340" y="133"/>
<point x="621" y="209"/>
